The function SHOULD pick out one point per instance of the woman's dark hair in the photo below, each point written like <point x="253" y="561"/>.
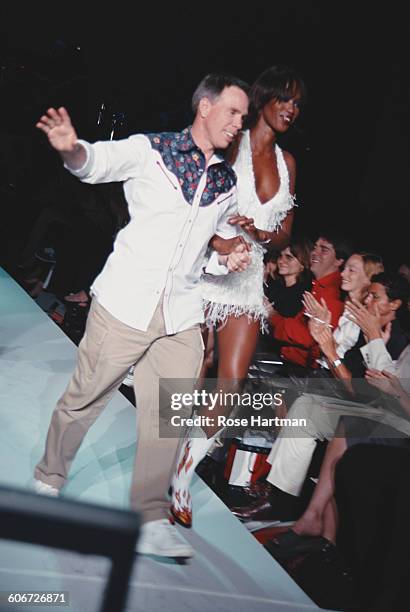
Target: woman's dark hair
<point x="275" y="83"/>
<point x="271" y="255"/>
<point x="301" y="249"/>
<point x="397" y="287"/>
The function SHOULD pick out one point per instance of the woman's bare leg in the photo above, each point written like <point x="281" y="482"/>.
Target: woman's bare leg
<point x="330" y="521"/>
<point x="237" y="341"/>
<point x="312" y="520"/>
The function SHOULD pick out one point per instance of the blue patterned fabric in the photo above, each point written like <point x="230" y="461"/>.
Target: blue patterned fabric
<point x="186" y="161"/>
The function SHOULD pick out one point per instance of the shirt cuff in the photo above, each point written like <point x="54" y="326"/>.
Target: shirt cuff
<point x="214" y="267"/>
<point x="88" y="164"/>
<point x="374" y="345"/>
<point x="377" y="356"/>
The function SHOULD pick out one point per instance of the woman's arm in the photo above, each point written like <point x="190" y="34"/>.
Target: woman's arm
<point x="225" y="246"/>
<point x="324" y="337"/>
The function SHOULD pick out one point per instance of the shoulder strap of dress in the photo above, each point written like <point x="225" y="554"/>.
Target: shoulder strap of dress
<point x="283" y="169"/>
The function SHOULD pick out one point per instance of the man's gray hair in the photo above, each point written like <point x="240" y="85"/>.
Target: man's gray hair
<point x="213" y="85"/>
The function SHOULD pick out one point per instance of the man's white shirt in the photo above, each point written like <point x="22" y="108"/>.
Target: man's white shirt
<point x="162" y="249"/>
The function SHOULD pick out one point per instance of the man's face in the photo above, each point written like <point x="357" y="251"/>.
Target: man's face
<point x="223" y="118"/>
<point x="323" y="260"/>
<point x="377" y="295"/>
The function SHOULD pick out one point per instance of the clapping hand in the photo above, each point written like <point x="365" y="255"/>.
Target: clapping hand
<point x="369" y="323"/>
<point x="323" y="335"/>
<point x="319" y="321"/>
<point x="315" y="310"/>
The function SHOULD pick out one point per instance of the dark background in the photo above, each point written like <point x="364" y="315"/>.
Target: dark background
<point x="350" y="142"/>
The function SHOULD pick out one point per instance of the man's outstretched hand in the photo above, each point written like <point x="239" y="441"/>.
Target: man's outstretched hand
<point x="56" y="124"/>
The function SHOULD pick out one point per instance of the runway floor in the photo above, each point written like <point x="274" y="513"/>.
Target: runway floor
<point x="231" y="571"/>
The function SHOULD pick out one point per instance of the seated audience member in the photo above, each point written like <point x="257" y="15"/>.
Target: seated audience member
<point x="293" y="449"/>
<point x="293" y="279"/>
<point x="283" y="291"/>
<point x="326" y="260"/>
<point x="356" y="279"/>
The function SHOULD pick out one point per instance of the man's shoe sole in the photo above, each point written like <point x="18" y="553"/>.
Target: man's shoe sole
<point x="186" y="553"/>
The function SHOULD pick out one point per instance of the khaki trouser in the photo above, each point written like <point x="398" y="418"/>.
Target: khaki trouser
<point x="105" y="354"/>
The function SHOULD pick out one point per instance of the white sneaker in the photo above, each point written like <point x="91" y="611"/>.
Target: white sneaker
<point x="161" y="538"/>
<point x="42" y="488"/>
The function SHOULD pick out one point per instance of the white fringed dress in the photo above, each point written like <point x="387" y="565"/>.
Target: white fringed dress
<point x="242" y="293"/>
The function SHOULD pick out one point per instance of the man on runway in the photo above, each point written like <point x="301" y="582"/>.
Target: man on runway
<point x="146" y="306"/>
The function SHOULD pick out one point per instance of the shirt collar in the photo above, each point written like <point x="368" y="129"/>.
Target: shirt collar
<point x="185" y="140"/>
<point x="187" y="143"/>
<point x="217" y="159"/>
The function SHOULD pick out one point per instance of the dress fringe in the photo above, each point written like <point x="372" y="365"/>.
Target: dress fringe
<point x="216" y="315"/>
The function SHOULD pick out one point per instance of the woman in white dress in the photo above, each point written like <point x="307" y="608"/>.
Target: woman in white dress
<point x="235" y="302"/>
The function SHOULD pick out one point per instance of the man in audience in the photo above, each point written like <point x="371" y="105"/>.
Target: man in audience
<point x="146" y="305"/>
<point x="327" y="258"/>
